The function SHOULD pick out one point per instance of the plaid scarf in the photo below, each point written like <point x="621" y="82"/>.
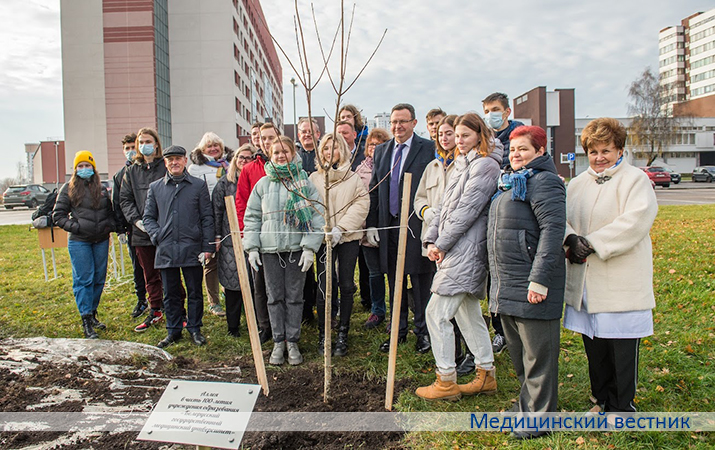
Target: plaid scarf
<point x="516" y="182"/>
<point x="298" y="210"/>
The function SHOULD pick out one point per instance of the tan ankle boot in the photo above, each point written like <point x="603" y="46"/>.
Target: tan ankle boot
<point x="484" y="383"/>
<point x="444" y="388"/>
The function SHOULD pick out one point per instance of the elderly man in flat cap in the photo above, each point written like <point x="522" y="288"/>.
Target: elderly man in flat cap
<point x="179" y="220"/>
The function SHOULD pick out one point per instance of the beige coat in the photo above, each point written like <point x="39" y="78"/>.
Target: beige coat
<point x="429" y="193"/>
<point x="349" y="201"/>
<point x="615" y="217"/>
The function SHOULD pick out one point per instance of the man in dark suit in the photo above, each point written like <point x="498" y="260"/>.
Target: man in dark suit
<point x="406" y="152"/>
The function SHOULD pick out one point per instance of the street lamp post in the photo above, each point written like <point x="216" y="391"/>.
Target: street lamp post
<point x="295" y="124"/>
<point x="57" y="164"/>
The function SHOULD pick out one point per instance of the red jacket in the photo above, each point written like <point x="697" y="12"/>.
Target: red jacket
<point x="250" y="174"/>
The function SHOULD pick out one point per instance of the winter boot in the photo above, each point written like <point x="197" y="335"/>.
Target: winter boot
<point x="278" y="354"/>
<point x="444" y="388"/>
<point x="88" y="328"/>
<point x="341" y="345"/>
<point x="96" y="323"/>
<point x="294" y="356"/>
<point x="484" y="383"/>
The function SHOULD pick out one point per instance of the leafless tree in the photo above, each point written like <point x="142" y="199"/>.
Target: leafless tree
<point x="653" y="127"/>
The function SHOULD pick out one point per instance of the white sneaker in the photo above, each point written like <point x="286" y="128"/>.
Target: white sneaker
<point x="498" y="344"/>
<point x="294" y="356"/>
<point x="277" y="355"/>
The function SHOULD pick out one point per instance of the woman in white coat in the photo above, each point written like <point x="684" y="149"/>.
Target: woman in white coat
<point x="610" y="209"/>
<point x="349" y="205"/>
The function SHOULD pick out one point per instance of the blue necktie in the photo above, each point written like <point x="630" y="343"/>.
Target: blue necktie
<point x="395" y="182"/>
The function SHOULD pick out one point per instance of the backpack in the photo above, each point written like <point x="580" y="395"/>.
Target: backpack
<point x="42" y="217"/>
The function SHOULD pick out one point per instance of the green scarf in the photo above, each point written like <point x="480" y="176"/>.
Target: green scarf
<point x="298" y="210"/>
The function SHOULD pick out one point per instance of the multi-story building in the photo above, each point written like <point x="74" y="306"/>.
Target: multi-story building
<point x="693" y="144"/>
<point x="181" y="67"/>
<point x="687" y="64"/>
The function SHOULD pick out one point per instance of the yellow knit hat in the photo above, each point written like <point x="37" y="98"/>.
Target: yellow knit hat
<point x="84" y="156"/>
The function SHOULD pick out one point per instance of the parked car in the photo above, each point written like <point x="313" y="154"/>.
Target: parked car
<point x="659" y="176"/>
<point x="29" y="195"/>
<point x="674" y="176"/>
<point x="704" y="173"/>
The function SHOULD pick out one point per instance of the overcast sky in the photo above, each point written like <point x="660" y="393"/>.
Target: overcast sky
<point x="450" y="53"/>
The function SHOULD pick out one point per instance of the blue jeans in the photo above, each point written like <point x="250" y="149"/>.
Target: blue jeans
<point x="89" y="270"/>
<point x="377" y="280"/>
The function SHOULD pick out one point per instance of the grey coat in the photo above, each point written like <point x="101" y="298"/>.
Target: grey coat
<point x="179" y="220"/>
<point x="459" y="227"/>
<point x="525" y="245"/>
<point x="227" y="270"/>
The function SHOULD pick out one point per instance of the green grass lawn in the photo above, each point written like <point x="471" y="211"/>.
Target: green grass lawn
<point x="676" y="363"/>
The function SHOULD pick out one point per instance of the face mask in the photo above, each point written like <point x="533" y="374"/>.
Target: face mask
<point x="495" y="120"/>
<point x="85" y="173"/>
<point x="130" y="155"/>
<point x="146" y="149"/>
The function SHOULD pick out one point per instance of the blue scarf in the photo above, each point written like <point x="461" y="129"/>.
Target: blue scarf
<point x="446" y="161"/>
<point x="221" y="165"/>
<point x="516" y="182"/>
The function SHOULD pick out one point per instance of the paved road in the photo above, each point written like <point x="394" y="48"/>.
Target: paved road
<point x="685" y="193"/>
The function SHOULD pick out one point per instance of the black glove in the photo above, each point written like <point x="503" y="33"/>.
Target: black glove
<point x="571" y="240"/>
<point x="581" y="249"/>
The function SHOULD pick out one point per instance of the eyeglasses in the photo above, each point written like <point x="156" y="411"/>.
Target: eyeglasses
<point x="372" y="144"/>
<point x="394" y="123"/>
<point x="245" y="158"/>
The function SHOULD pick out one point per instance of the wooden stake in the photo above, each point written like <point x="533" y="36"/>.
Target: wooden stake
<point x="399" y="279"/>
<point x="246" y="293"/>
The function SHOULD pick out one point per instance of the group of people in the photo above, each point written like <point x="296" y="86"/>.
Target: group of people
<point x="489" y="216"/>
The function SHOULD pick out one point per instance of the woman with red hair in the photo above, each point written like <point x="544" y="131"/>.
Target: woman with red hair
<point x="527" y="265"/>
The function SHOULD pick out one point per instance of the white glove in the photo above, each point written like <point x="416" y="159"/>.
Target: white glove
<point x="373" y="236"/>
<point x="140" y="225"/>
<point x="306" y="260"/>
<point x="122" y="238"/>
<point x="204" y="258"/>
<point x="254" y="259"/>
<point x="335" y="236"/>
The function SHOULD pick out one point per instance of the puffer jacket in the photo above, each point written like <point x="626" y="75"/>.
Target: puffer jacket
<point x="429" y="193"/>
<point x="524" y="244"/>
<point x="132" y="197"/>
<point x="84" y="222"/>
<point x="349" y="201"/>
<point x="179" y="218"/>
<point x="200" y="169"/>
<point x="227" y="270"/>
<point x="264" y="229"/>
<point x="459" y="227"/>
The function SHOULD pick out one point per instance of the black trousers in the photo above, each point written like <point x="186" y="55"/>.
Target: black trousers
<point x="139" y="284"/>
<point x="234" y="301"/>
<point x="173" y="298"/>
<point x="309" y="293"/>
<point x="365" y="297"/>
<point x="613" y="370"/>
<point x="346" y="255"/>
<point x="421" y="283"/>
<point x="260" y="299"/>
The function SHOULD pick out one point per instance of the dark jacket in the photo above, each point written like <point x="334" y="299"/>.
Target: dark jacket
<point x="84" y="222"/>
<point x="524" y="243"/>
<point x="421" y="153"/>
<point x="308" y="158"/>
<point x="122" y="224"/>
<point x="227" y="270"/>
<point x="503" y="137"/>
<point x="132" y="197"/>
<point x="179" y="218"/>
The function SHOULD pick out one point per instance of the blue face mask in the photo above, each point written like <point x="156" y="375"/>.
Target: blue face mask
<point x="85" y="173"/>
<point x="130" y="154"/>
<point x="495" y="120"/>
<point x="146" y="149"/>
